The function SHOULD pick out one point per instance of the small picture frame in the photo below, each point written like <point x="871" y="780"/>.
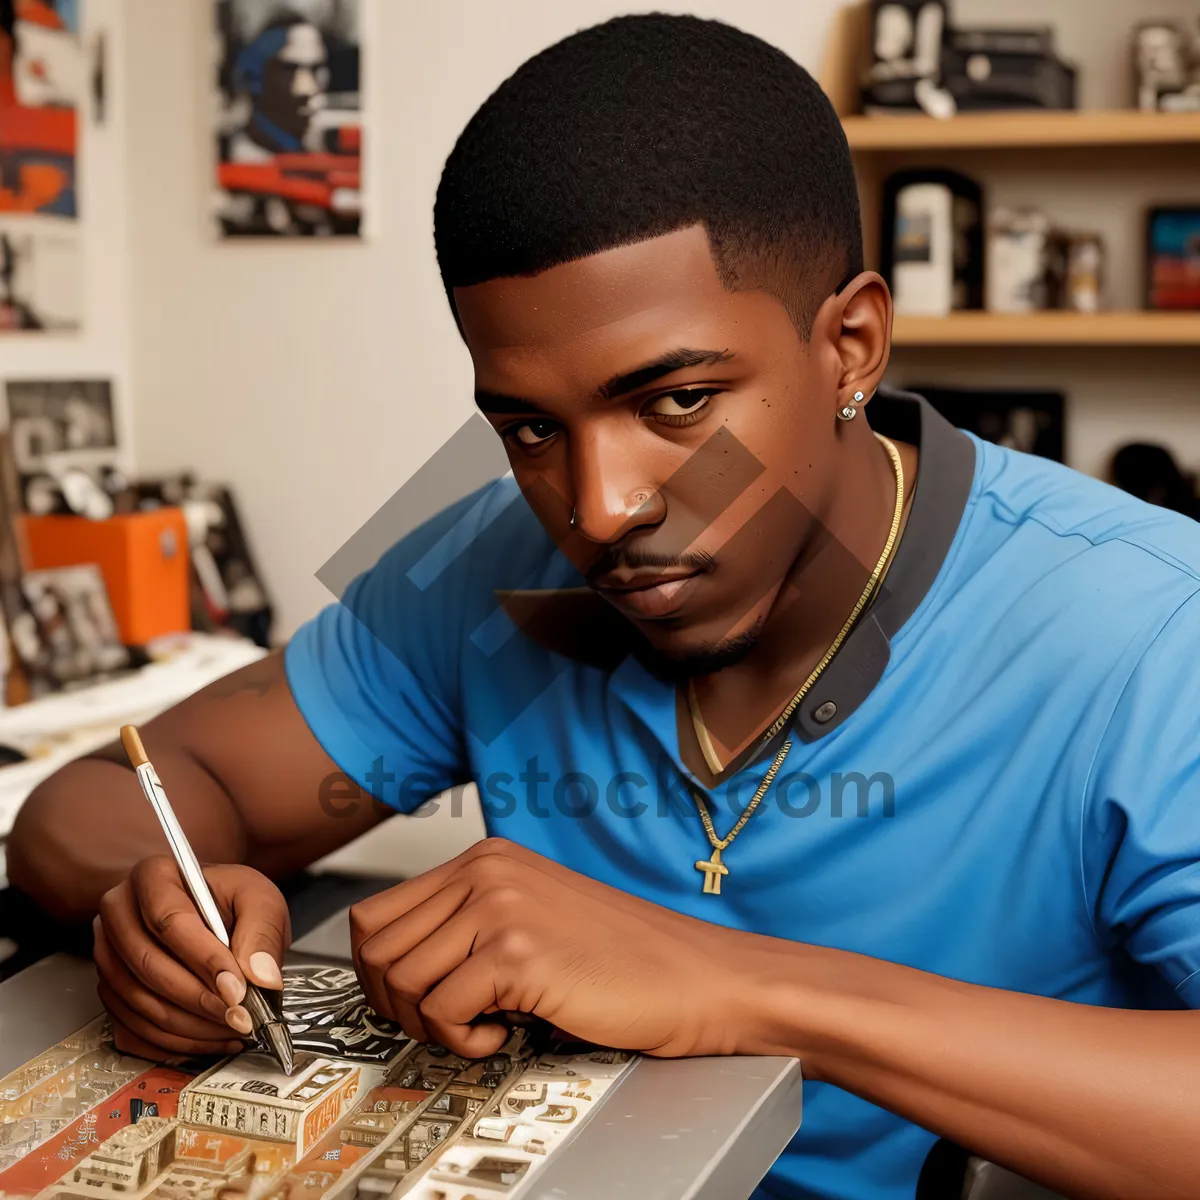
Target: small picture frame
<point x="1173" y="259"/>
<point x="76" y="631"/>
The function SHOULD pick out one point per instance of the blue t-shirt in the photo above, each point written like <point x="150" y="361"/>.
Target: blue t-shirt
<point x="1013" y="800"/>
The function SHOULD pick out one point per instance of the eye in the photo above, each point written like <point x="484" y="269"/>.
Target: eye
<point x="532" y="433"/>
<point x="679" y="406"/>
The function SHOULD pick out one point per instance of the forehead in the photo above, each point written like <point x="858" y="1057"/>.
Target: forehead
<point x="304" y="46"/>
<point x="620" y="296"/>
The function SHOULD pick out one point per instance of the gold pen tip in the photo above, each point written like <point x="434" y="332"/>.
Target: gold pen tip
<point x="132" y="741"/>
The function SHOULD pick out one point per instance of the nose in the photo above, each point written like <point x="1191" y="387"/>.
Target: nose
<point x="610" y="499"/>
<point x="304" y="83"/>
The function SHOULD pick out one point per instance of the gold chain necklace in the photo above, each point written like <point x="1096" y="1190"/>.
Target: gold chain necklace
<point x="712" y="868"/>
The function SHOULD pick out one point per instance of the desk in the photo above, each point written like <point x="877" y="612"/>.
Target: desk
<point x="688" y="1129"/>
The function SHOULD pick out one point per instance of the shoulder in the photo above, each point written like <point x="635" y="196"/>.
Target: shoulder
<point x="1068" y="579"/>
<point x="1068" y="515"/>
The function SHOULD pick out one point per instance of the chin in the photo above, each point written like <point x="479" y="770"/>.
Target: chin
<point x="685" y="654"/>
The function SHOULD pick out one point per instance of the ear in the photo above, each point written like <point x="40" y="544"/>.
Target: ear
<point x="856" y="324"/>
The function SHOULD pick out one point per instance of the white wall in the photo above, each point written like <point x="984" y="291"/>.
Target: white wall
<point x="316" y="378"/>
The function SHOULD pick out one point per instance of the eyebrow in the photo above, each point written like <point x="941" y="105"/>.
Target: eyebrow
<point x="618" y="385"/>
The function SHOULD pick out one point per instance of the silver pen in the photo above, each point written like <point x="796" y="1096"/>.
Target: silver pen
<point x="268" y="1023"/>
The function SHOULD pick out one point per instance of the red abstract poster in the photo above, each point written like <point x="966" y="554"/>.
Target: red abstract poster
<point x="41" y="85"/>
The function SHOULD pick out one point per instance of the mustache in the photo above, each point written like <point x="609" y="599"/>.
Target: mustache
<point x="635" y="558"/>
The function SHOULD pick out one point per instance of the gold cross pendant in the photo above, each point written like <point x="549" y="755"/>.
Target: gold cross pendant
<point x="713" y="870"/>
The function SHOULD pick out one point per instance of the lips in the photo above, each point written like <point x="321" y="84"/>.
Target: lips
<point x="648" y="596"/>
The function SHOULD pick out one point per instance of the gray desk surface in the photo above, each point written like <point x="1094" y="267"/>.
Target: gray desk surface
<point x="683" y="1129"/>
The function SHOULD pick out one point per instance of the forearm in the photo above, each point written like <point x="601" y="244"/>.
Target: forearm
<point x="81" y="831"/>
<point x="1095" y="1103"/>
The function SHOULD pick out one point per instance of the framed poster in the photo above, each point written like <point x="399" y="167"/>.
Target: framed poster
<point x="42" y="81"/>
<point x="289" y="134"/>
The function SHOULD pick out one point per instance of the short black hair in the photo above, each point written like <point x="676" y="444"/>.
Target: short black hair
<point x="644" y="125"/>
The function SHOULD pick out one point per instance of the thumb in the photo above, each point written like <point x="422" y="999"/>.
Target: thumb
<point x="261" y="927"/>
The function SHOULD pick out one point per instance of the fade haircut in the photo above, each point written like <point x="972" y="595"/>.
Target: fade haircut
<point x="648" y="124"/>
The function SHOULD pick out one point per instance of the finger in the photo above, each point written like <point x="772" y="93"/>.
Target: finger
<point x="414" y="975"/>
<point x="170" y="916"/>
<point x="163" y="1040"/>
<point x="262" y="929"/>
<point x="451" y="1011"/>
<point x="410" y="979"/>
<point x="159" y="1012"/>
<point x="129" y="1042"/>
<point x="375" y="956"/>
<point x="151" y="964"/>
<point x="369" y="916"/>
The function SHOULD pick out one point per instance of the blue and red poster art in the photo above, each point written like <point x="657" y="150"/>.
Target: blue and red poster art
<point x="289" y="136"/>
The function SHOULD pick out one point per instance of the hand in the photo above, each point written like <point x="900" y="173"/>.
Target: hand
<point x="501" y="929"/>
<point x="172" y="989"/>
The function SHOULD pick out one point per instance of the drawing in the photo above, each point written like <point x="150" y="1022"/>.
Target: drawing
<point x="289" y="135"/>
<point x="41" y="85"/>
<point x="326" y="1014"/>
<point x="396" y="1119"/>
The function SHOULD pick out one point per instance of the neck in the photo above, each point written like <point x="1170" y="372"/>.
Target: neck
<point x="808" y="609"/>
<point x="265" y="133"/>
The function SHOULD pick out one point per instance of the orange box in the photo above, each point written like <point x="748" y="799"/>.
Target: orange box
<point x="143" y="557"/>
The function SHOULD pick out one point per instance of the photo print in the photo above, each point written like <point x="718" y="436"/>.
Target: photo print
<point x="289" y="134"/>
<point x="65" y="446"/>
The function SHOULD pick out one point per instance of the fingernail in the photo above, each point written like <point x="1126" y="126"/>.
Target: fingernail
<point x="238" y="1018"/>
<point x="265" y="971"/>
<point x="231" y="989"/>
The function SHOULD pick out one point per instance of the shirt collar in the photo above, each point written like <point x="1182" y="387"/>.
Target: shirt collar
<point x="581" y="625"/>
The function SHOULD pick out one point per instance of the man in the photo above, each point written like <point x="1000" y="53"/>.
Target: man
<point x="285" y="72"/>
<point x="961" y="714"/>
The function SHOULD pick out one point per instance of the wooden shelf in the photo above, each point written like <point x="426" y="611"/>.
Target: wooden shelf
<point x="1022" y="130"/>
<point x="1050" y="329"/>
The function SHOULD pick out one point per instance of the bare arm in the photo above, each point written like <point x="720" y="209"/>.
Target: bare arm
<point x="249" y="782"/>
<point x="1096" y="1103"/>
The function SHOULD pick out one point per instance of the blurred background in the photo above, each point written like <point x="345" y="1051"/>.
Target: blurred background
<point x="224" y="343"/>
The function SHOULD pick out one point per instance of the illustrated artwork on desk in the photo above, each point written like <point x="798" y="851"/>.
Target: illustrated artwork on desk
<point x="42" y="85"/>
<point x="289" y="133"/>
<point x="366" y="1114"/>
<point x="65" y="446"/>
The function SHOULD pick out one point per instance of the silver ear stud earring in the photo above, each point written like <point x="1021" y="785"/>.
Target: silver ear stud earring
<point x="848" y="411"/>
